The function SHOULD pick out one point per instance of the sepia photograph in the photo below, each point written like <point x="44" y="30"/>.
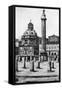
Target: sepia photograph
<point x="37" y="45"/>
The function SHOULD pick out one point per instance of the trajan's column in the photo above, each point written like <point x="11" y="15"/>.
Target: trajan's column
<point x="43" y="32"/>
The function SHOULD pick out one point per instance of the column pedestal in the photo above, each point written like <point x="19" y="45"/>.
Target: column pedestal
<point x="24" y="63"/>
<point x="39" y="63"/>
<point x="32" y="65"/>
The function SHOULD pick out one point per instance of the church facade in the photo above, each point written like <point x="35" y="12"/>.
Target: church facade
<point x="29" y="44"/>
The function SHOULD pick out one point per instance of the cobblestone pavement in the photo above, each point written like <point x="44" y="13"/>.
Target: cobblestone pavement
<point x="43" y="74"/>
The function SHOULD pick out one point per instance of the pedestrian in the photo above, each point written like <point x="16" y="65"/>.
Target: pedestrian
<point x="49" y="61"/>
<point x="52" y="63"/>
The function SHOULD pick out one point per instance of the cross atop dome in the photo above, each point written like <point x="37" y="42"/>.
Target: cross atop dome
<point x="30" y="20"/>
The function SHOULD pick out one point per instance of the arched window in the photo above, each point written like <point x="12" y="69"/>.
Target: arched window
<point x="54" y="53"/>
<point x="26" y="32"/>
<point x="31" y="32"/>
<point x="25" y="41"/>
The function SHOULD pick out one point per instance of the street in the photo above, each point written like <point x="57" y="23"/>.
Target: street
<point x="39" y="75"/>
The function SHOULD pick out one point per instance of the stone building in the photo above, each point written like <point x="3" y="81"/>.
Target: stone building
<point x="52" y="46"/>
<point x="29" y="44"/>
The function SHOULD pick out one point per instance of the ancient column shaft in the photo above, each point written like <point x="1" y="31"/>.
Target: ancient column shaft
<point x="43" y="31"/>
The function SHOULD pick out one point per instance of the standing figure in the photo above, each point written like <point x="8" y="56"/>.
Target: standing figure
<point x="50" y="64"/>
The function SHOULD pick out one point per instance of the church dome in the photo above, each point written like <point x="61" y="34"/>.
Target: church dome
<point x="29" y="38"/>
<point x="30" y="32"/>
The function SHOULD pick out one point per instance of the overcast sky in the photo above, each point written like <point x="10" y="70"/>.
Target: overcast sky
<point x="23" y="16"/>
